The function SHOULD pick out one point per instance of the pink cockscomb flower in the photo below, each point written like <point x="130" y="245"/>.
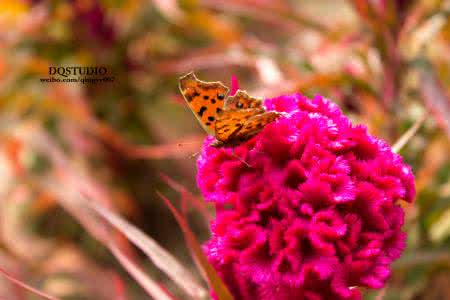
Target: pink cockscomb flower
<point x="314" y="214"/>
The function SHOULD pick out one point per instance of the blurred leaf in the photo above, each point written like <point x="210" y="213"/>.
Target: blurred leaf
<point x="424" y="35"/>
<point x="14" y="226"/>
<point x="145" y="281"/>
<point x="211" y="276"/>
<point x="435" y="96"/>
<point x="194" y="201"/>
<point x="440" y="229"/>
<point x="69" y="272"/>
<point x="165" y="261"/>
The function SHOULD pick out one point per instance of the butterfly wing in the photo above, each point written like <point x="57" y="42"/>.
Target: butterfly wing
<point x="231" y="121"/>
<point x="241" y="100"/>
<point x="255" y="124"/>
<point x="205" y="99"/>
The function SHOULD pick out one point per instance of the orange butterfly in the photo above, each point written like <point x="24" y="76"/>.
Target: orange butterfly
<point x="231" y="120"/>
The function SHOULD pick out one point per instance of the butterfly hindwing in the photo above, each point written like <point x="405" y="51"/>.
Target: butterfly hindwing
<point x="255" y="124"/>
<point x="229" y="122"/>
<point x="241" y="100"/>
<point x="205" y="99"/>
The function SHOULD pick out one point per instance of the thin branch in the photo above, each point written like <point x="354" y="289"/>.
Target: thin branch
<point x="409" y="134"/>
<point x="26" y="286"/>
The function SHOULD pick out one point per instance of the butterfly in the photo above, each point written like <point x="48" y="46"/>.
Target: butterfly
<point x="231" y="119"/>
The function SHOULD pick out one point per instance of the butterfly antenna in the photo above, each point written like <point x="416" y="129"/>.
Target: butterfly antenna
<point x="243" y="161"/>
<point x="190" y="143"/>
<point x="186" y="143"/>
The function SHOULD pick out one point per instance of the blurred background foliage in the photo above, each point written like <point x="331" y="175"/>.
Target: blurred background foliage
<point x="65" y="146"/>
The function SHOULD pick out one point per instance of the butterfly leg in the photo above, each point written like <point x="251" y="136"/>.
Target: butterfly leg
<point x="239" y="158"/>
<point x="217" y="144"/>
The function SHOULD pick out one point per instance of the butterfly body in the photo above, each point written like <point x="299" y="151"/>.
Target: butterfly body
<point x="231" y="119"/>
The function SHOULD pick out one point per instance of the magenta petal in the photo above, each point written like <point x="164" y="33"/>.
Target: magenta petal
<point x="234" y="85"/>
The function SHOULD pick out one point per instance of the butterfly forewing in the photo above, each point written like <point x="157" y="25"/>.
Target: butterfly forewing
<point x="205" y="99"/>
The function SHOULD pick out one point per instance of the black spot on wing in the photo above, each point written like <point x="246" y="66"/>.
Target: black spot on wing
<point x="218" y="110"/>
<point x="206" y="97"/>
<point x="213" y="100"/>
<point x="220" y="96"/>
<point x="211" y="118"/>
<point x="202" y="110"/>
